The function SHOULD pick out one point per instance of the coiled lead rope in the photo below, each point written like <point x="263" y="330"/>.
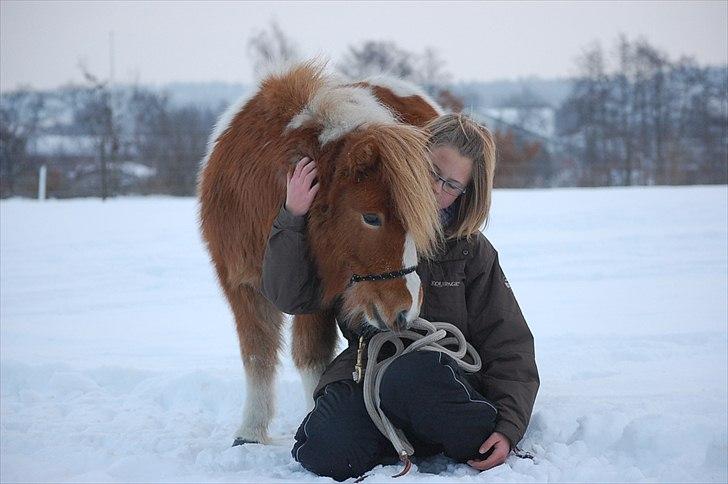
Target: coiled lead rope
<point x="434" y="339"/>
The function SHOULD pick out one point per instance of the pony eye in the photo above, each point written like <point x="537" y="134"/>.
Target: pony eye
<point x="372" y="219"/>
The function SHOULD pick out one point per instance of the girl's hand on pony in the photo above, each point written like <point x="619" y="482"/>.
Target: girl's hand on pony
<point x="501" y="447"/>
<point x="300" y="188"/>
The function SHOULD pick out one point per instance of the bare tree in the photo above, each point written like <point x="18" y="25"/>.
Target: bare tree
<point x="649" y="120"/>
<point x="20" y="117"/>
<point x="519" y="161"/>
<point x="432" y="74"/>
<point x="624" y="96"/>
<point x="169" y="138"/>
<point x="98" y="115"/>
<point x="590" y="96"/>
<point x="269" y="47"/>
<point x="381" y="57"/>
<point x="378" y="57"/>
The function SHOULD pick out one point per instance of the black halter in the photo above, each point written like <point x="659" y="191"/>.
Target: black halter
<point x="383" y="276"/>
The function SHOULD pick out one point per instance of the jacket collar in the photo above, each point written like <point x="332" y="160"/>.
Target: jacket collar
<point x="453" y="249"/>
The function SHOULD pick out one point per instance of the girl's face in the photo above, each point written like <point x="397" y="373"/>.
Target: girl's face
<point x="455" y="168"/>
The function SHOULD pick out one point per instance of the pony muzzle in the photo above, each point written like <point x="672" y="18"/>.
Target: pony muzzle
<point x="399" y="322"/>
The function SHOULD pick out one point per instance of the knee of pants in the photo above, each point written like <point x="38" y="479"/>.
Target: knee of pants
<point x="338" y="439"/>
<point x="407" y="375"/>
<point x="323" y="464"/>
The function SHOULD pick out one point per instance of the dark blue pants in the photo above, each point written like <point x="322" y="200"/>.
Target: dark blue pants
<point x="423" y="393"/>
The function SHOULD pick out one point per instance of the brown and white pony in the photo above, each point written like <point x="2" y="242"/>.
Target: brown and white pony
<point x="374" y="213"/>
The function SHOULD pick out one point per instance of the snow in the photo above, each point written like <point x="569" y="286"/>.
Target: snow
<point x="120" y="361"/>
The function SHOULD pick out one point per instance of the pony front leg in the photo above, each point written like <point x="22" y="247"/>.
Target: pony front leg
<point x="313" y="344"/>
<point x="259" y="401"/>
<point x="258" y="325"/>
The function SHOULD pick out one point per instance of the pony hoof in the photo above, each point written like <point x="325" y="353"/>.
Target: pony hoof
<point x="241" y="441"/>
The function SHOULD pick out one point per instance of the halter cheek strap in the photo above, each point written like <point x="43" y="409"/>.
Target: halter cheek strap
<point x="383" y="276"/>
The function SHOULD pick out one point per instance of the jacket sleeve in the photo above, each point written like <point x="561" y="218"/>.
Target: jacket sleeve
<point x="289" y="279"/>
<point x="501" y="336"/>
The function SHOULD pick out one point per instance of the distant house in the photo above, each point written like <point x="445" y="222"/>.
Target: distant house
<point x="47" y="145"/>
<point x="74" y="168"/>
<point x="538" y="120"/>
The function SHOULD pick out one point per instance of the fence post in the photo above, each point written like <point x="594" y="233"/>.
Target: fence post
<point x="42" y="183"/>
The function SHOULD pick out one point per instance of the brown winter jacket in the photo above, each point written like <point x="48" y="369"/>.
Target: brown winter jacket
<point x="463" y="285"/>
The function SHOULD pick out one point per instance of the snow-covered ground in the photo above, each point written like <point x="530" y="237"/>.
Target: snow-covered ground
<point x="120" y="361"/>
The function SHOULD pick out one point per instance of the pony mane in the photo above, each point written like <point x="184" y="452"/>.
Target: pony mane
<point x="338" y="110"/>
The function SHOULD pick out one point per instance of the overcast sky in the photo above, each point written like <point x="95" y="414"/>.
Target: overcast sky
<point x="160" y="42"/>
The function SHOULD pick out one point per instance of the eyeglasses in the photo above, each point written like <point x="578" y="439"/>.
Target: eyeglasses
<point x="451" y="187"/>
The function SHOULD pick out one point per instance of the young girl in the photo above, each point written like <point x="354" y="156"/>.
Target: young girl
<point x="475" y="418"/>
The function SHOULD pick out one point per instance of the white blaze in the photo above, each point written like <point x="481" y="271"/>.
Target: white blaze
<point x="409" y="259"/>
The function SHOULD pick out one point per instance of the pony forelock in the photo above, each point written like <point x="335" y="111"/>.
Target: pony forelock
<point x="406" y="169"/>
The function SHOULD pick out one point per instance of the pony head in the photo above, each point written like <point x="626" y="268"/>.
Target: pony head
<point x="375" y="213"/>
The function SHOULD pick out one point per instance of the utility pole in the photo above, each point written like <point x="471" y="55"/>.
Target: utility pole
<point x="110" y="142"/>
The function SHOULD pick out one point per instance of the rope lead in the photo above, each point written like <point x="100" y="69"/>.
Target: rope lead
<point x="434" y="339"/>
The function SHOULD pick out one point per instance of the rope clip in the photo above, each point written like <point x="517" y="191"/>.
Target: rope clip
<point x="358" y="373"/>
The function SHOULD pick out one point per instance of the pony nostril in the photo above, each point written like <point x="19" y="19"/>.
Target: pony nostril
<point x="402" y="320"/>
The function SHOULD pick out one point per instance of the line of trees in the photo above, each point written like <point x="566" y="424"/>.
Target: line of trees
<point x="136" y="140"/>
<point x="645" y="119"/>
<point x="100" y="141"/>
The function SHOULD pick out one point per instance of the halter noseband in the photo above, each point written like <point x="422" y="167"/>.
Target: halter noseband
<point x="383" y="276"/>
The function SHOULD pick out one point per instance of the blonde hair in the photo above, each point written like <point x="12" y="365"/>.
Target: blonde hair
<point x="476" y="142"/>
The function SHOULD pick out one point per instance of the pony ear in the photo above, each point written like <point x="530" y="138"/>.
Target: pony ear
<point x="304" y="146"/>
<point x="360" y="157"/>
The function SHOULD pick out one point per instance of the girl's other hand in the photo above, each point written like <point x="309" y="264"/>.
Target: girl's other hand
<point x="300" y="189"/>
<point x="501" y="447"/>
